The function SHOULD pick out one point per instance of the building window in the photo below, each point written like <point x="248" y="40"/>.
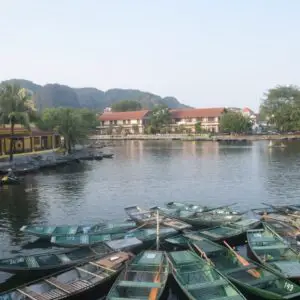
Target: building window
<point x="211" y="119"/>
<point x="115" y="122"/>
<point x="110" y="122"/>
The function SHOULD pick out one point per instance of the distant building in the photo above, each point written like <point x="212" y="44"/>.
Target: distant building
<point x="209" y="118"/>
<point x="126" y="122"/>
<point x="107" y="109"/>
<point x="27" y="141"/>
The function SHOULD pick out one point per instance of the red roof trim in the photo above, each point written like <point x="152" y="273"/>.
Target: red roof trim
<point x="197" y="112"/>
<point x="125" y="115"/>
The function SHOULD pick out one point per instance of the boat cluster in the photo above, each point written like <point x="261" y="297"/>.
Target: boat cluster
<point x="197" y="247"/>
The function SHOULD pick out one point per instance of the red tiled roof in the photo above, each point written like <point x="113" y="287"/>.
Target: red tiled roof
<point x="197" y="112"/>
<point x="124" y="115"/>
<point x="248" y="110"/>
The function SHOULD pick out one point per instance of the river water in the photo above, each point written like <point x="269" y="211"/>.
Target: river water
<point x="149" y="173"/>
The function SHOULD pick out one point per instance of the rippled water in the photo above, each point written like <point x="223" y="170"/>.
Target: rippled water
<point x="149" y="173"/>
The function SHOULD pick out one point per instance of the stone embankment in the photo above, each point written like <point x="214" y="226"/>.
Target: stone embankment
<point x="196" y="137"/>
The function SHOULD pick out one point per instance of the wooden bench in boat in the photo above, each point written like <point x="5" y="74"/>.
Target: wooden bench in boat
<point x="68" y="288"/>
<point x="31" y="294"/>
<point x="270" y="247"/>
<point x="213" y="234"/>
<point x="241" y="268"/>
<point x="139" y="284"/>
<point x="207" y="284"/>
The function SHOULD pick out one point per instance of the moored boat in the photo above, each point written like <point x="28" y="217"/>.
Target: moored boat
<point x="287" y="231"/>
<point x="144" y="278"/>
<point x="145" y="235"/>
<point x="78" y="281"/>
<point x="234" y="233"/>
<point x="149" y="218"/>
<point x="199" y="280"/>
<point x="44" y="263"/>
<point x="268" y="248"/>
<point x="47" y="231"/>
<point x="203" y="219"/>
<point x="250" y="277"/>
<point x="5" y="180"/>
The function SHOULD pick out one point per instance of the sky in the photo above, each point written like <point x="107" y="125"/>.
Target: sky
<point x="205" y="53"/>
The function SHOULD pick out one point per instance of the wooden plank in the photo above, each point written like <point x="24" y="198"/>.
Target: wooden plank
<point x="58" y="285"/>
<point x="32" y="295"/>
<point x="85" y="271"/>
<point x="97" y="265"/>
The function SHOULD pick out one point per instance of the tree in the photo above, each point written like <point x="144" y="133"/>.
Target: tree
<point x="281" y="107"/>
<point x="15" y="108"/>
<point x="126" y="105"/>
<point x="72" y="124"/>
<point x="159" y="118"/>
<point x="235" y="122"/>
<point x="198" y="127"/>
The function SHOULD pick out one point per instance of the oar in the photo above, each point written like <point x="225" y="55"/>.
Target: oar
<point x="154" y="291"/>
<point x="243" y="261"/>
<point x="203" y="254"/>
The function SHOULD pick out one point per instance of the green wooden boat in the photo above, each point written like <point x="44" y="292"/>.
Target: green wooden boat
<point x="144" y="278"/>
<point x="201" y="219"/>
<point x="268" y="248"/>
<point x="81" y="240"/>
<point x="200" y="280"/>
<point x="250" y="277"/>
<point x="46" y="231"/>
<point x="77" y="282"/>
<point x="235" y="233"/>
<point x="287" y="231"/>
<point x="148" y="218"/>
<point x="41" y="264"/>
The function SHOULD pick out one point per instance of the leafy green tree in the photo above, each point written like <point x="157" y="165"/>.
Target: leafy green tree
<point x="160" y="117"/>
<point x="281" y="108"/>
<point x="72" y="124"/>
<point x="126" y="105"/>
<point x="198" y="127"/>
<point x="15" y="108"/>
<point x="235" y="122"/>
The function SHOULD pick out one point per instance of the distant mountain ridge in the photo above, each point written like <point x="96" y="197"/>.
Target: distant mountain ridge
<point x="57" y="95"/>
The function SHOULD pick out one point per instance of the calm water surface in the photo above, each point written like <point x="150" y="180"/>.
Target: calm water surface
<point x="149" y="173"/>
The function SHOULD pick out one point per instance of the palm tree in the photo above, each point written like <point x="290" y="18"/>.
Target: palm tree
<point x="14" y="109"/>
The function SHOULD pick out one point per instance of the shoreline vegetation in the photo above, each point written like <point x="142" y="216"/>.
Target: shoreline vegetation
<point x="198" y="137"/>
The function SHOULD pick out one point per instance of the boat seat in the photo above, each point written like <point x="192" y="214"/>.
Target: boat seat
<point x="139" y="284"/>
<point x="31" y="294"/>
<point x="241" y="268"/>
<point x="275" y="247"/>
<point x="207" y="284"/>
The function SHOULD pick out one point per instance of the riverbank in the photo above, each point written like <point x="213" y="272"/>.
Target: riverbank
<point x="197" y="137"/>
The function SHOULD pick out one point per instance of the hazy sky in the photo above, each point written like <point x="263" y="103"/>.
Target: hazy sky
<point x="205" y="53"/>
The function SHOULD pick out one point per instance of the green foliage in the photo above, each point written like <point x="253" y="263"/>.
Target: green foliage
<point x="126" y="105"/>
<point x="72" y="124"/>
<point x="15" y="108"/>
<point x="234" y="122"/>
<point x="160" y="117"/>
<point x="281" y="108"/>
<point x="198" y="127"/>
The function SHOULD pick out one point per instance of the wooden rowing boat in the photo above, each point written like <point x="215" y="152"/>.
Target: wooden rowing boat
<point x="84" y="240"/>
<point x="200" y="280"/>
<point x="79" y="281"/>
<point x="147" y="218"/>
<point x="41" y="264"/>
<point x="268" y="248"/>
<point x="46" y="231"/>
<point x="253" y="279"/>
<point x="144" y="278"/>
